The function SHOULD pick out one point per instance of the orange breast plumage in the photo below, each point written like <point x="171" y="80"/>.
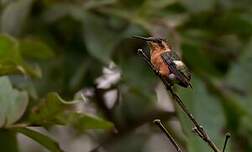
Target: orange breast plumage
<point x="159" y="64"/>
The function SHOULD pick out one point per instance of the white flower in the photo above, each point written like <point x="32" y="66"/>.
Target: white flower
<point x="111" y="75"/>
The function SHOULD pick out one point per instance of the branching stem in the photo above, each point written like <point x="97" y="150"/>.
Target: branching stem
<point x="200" y="130"/>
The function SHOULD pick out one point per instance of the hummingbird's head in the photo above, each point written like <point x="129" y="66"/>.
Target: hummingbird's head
<point x="156" y="44"/>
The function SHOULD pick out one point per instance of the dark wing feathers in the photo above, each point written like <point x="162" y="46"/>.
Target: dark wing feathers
<point x="180" y="76"/>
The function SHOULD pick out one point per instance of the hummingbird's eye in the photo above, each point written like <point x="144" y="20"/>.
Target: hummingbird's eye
<point x="159" y="41"/>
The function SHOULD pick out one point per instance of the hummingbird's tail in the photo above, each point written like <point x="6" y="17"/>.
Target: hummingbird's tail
<point x="190" y="85"/>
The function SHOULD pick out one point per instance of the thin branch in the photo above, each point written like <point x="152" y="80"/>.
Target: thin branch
<point x="196" y="131"/>
<point x="203" y="135"/>
<point x="228" y="135"/>
<point x="161" y="126"/>
<point x="128" y="129"/>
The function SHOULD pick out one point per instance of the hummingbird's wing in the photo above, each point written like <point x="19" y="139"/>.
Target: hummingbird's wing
<point x="180" y="76"/>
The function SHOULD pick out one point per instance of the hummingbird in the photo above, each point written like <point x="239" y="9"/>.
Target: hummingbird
<point x="166" y="62"/>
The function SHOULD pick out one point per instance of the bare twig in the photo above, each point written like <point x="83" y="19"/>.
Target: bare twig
<point x="196" y="131"/>
<point x="122" y="132"/>
<point x="228" y="135"/>
<point x="161" y="126"/>
<point x="199" y="129"/>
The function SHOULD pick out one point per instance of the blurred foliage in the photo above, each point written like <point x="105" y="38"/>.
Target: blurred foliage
<point x="62" y="46"/>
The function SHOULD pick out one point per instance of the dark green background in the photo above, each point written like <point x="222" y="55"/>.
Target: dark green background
<point x="63" y="45"/>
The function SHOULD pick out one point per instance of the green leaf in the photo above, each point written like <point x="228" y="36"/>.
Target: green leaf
<point x="14" y="16"/>
<point x="11" y="61"/>
<point x="207" y="111"/>
<point x="139" y="93"/>
<point x="158" y="5"/>
<point x="60" y="10"/>
<point x="83" y="121"/>
<point x="44" y="140"/>
<point x="51" y="111"/>
<point x="197" y="59"/>
<point x="13" y="103"/>
<point x="131" y="4"/>
<point x="239" y="23"/>
<point x="99" y="3"/>
<point x="8" y="141"/>
<point x="239" y="77"/>
<point x="46" y="112"/>
<point x="99" y="39"/>
<point x="198" y="6"/>
<point x="9" y="50"/>
<point x="137" y="77"/>
<point x="151" y="7"/>
<point x="33" y="48"/>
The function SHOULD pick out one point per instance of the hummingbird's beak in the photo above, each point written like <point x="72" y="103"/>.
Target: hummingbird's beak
<point x="147" y="39"/>
<point x="143" y="38"/>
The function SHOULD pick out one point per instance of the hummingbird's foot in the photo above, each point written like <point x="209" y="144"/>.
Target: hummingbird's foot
<point x="172" y="77"/>
<point x="157" y="71"/>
